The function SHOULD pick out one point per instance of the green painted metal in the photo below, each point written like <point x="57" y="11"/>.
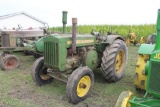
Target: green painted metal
<point x="91" y="59"/>
<point x="55" y="49"/>
<point x="81" y="40"/>
<point x="157" y="47"/>
<point x="153" y="80"/>
<point x="147" y="68"/>
<point x="146" y="49"/>
<point x="64" y="20"/>
<point x="39" y="45"/>
<point x="144" y="102"/>
<point x="153" y="77"/>
<point x="100" y="47"/>
<point x="155" y="56"/>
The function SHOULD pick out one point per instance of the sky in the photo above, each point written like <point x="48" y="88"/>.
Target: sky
<point x="87" y="12"/>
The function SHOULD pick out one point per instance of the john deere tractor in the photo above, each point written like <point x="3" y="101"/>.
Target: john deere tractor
<point x="144" y="51"/>
<point x="71" y="58"/>
<point x="152" y="70"/>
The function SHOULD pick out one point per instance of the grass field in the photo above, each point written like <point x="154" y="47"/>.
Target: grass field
<point x="18" y="89"/>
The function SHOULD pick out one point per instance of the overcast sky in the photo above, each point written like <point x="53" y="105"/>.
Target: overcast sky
<point x="87" y="11"/>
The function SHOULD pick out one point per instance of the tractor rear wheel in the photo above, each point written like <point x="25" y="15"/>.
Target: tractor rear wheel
<point x="114" y="60"/>
<point x="79" y="84"/>
<point x="39" y="72"/>
<point x="123" y="99"/>
<point x="9" y="62"/>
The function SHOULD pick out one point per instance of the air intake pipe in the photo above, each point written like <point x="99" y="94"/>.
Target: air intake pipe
<point x="64" y="20"/>
<point x="74" y="29"/>
<point x="157" y="47"/>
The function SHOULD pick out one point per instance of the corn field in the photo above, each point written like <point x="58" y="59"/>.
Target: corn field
<point x="123" y="30"/>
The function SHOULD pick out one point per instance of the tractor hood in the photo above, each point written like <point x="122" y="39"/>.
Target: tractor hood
<point x="81" y="40"/>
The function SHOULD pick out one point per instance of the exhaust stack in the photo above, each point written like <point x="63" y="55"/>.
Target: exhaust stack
<point x="74" y="29"/>
<point x="157" y="47"/>
<point x="64" y="20"/>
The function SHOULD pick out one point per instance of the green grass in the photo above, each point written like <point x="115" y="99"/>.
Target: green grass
<point x="19" y="90"/>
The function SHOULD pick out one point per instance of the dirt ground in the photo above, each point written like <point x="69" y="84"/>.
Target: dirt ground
<point x="19" y="90"/>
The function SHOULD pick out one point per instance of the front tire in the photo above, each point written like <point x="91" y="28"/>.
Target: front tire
<point x="39" y="72"/>
<point x="123" y="99"/>
<point x="79" y="84"/>
<point x="140" y="78"/>
<point x="114" y="61"/>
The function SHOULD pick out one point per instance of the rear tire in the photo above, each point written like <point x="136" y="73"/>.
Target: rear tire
<point x="79" y="84"/>
<point x="39" y="72"/>
<point x="114" y="60"/>
<point x="9" y="62"/>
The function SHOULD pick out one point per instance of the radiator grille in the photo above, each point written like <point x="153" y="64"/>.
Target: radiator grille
<point x="51" y="53"/>
<point x="154" y="82"/>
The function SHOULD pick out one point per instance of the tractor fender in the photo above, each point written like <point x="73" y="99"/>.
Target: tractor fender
<point x="146" y="49"/>
<point x="40" y="45"/>
<point x="112" y="38"/>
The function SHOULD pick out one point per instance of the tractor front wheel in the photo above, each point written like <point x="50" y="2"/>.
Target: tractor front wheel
<point x="123" y="99"/>
<point x="79" y="84"/>
<point x="140" y="78"/>
<point x="9" y="62"/>
<point x="114" y="60"/>
<point x="39" y="72"/>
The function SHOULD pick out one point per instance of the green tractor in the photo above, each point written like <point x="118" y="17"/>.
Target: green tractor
<point x="152" y="96"/>
<point x="144" y="51"/>
<point x="71" y="58"/>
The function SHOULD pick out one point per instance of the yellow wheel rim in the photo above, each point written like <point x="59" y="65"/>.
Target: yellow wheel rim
<point x="44" y="75"/>
<point x="120" y="60"/>
<point x="125" y="102"/>
<point x="83" y="86"/>
<point x="123" y="99"/>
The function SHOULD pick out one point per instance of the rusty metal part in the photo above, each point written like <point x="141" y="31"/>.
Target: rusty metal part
<point x="9" y="62"/>
<point x="10" y="36"/>
<point x="74" y="24"/>
<point x="5" y="40"/>
<point x="58" y="76"/>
